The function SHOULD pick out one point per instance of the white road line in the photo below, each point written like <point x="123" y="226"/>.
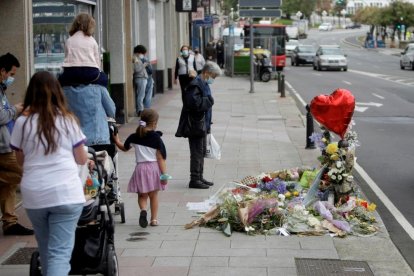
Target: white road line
<point x="302" y="101"/>
<point x="387" y="202"/>
<point x="370" y="104"/>
<point x="347" y="82"/>
<point x="361" y="108"/>
<point x="378" y="96"/>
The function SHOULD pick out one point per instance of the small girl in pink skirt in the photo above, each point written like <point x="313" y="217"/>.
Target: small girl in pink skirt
<point x="149" y="175"/>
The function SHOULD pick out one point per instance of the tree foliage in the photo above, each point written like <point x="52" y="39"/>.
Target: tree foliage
<point x="290" y="7"/>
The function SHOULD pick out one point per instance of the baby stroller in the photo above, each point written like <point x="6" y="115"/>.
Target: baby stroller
<point x="110" y="174"/>
<point x="94" y="250"/>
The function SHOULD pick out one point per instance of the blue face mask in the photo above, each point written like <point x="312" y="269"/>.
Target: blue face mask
<point x="210" y="80"/>
<point x="184" y="53"/>
<point x="8" y="81"/>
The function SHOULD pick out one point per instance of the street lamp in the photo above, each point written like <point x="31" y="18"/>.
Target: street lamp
<point x="343" y="12"/>
<point x="299" y="15"/>
<point x="231" y="12"/>
<point x="324" y="14"/>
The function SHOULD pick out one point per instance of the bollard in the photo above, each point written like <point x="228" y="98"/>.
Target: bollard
<point x="279" y="88"/>
<point x="282" y="86"/>
<point x="309" y="129"/>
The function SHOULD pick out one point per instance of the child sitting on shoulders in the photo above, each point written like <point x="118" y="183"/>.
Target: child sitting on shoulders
<point x="82" y="59"/>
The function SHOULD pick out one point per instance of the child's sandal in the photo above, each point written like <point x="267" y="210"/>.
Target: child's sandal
<point x="154" y="222"/>
<point x="143" y="222"/>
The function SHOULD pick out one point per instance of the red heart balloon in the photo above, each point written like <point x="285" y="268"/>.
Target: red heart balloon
<point x="334" y="111"/>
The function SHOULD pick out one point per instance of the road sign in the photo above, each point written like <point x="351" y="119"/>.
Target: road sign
<point x="260" y="13"/>
<point x="186" y="6"/>
<point x="259" y="3"/>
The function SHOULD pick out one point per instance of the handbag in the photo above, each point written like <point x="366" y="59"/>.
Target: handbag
<point x="213" y="150"/>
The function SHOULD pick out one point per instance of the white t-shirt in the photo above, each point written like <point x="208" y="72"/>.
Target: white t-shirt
<point x="53" y="179"/>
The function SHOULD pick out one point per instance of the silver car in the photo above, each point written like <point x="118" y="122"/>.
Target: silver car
<point x="330" y="57"/>
<point x="407" y="57"/>
<point x="290" y="46"/>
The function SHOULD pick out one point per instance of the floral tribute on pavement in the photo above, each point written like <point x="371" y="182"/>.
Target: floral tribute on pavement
<point x="303" y="200"/>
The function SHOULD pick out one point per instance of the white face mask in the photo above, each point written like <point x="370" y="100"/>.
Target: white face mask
<point x="8" y="81"/>
<point x="141" y="56"/>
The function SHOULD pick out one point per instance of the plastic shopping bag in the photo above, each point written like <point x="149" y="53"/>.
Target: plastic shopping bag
<point x="213" y="148"/>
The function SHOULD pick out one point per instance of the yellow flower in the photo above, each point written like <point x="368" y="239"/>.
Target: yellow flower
<point x="372" y="207"/>
<point x="332" y="148"/>
<point x="334" y="157"/>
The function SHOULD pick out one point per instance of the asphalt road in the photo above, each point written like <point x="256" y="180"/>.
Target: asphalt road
<point x="384" y="118"/>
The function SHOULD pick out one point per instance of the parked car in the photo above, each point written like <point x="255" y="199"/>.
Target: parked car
<point x="290" y="46"/>
<point x="407" y="57"/>
<point x="330" y="57"/>
<point x="353" y="26"/>
<point x="325" y="27"/>
<point x="303" y="54"/>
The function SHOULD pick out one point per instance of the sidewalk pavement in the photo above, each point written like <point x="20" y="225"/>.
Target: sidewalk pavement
<point x="258" y="132"/>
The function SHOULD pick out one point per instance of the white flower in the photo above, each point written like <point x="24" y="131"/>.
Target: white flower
<point x="339" y="177"/>
<point x="338" y="164"/>
<point x="333" y="177"/>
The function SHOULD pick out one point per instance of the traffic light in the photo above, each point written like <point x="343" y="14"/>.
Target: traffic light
<point x="398" y="26"/>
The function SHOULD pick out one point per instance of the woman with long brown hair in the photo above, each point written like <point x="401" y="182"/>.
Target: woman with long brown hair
<point x="49" y="144"/>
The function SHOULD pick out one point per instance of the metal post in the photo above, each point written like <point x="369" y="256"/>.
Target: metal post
<point x="251" y="57"/>
<point x="282" y="86"/>
<point x="309" y="129"/>
<point x="279" y="87"/>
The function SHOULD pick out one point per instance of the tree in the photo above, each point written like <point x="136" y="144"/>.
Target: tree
<point x="290" y="7"/>
<point x="339" y="5"/>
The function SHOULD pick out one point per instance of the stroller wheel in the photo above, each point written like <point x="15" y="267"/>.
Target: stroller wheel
<point x="35" y="264"/>
<point x="111" y="262"/>
<point x="122" y="212"/>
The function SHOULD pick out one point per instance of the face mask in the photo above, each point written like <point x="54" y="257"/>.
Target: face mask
<point x="141" y="56"/>
<point x="184" y="53"/>
<point x="196" y="52"/>
<point x="9" y="81"/>
<point x="210" y="80"/>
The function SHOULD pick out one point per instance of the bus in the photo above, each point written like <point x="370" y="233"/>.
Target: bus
<point x="269" y="36"/>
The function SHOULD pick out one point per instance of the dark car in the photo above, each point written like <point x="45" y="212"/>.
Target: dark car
<point x="353" y="26"/>
<point x="303" y="54"/>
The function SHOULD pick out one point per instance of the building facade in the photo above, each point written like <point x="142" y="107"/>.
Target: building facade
<point x="35" y="32"/>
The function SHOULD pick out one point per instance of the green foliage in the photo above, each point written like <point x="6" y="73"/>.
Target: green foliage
<point x="290" y="7"/>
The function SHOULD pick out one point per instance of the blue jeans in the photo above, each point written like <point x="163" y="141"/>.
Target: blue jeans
<point x="54" y="228"/>
<point x="148" y="92"/>
<point x="140" y="85"/>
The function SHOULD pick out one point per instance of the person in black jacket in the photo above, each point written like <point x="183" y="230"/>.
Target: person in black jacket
<point x="195" y="121"/>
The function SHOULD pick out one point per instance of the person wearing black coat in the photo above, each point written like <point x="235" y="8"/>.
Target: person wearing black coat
<point x="195" y="121"/>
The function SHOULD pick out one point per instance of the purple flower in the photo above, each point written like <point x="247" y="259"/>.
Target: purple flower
<point x="317" y="139"/>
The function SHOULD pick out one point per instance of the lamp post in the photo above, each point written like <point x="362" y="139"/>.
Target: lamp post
<point x="231" y="12"/>
<point x="324" y="13"/>
<point x="299" y="15"/>
<point x="343" y="12"/>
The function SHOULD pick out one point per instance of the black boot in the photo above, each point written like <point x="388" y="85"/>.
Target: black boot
<point x="197" y="184"/>
<point x="207" y="182"/>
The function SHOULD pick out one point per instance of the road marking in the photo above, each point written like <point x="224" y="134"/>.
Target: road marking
<point x="378" y="96"/>
<point x="360" y="108"/>
<point x="302" y="101"/>
<point x="395" y="79"/>
<point x="347" y="82"/>
<point x="387" y="202"/>
<point x="369" y="104"/>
